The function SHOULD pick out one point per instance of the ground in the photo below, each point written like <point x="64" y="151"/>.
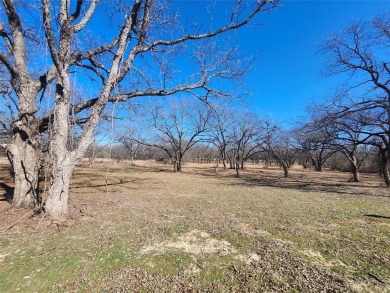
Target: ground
<point x="145" y="228"/>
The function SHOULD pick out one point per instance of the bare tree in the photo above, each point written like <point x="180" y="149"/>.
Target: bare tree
<point x="346" y="135"/>
<point x="129" y="138"/>
<point x="134" y="60"/>
<point x="177" y="128"/>
<point x="315" y="143"/>
<point x="279" y="144"/>
<point x="245" y="139"/>
<point x="360" y="54"/>
<point x="222" y="121"/>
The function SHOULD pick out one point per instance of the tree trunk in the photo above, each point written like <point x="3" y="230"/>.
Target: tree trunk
<point x="317" y="165"/>
<point x="22" y="154"/>
<point x="355" y="168"/>
<point x="23" y="151"/>
<point x="305" y="164"/>
<point x="237" y="167"/>
<point x="24" y="163"/>
<point x="386" y="174"/>
<point x="351" y="156"/>
<point x="223" y="158"/>
<point x="237" y="170"/>
<point x="57" y="201"/>
<point x="132" y="159"/>
<point x="384" y="166"/>
<point x="285" y="170"/>
<point x="176" y="165"/>
<point x="178" y="162"/>
<point x="356" y="175"/>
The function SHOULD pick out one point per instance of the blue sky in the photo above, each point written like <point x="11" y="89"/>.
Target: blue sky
<point x="286" y="75"/>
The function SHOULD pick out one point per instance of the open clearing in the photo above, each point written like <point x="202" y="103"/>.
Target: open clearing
<point x="151" y="230"/>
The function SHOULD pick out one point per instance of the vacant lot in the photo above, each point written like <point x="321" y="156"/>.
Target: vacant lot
<point x="145" y="228"/>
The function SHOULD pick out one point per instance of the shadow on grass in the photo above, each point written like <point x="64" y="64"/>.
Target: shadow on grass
<point x="103" y="185"/>
<point x="377" y="216"/>
<point x="312" y="186"/>
<point x="323" y="183"/>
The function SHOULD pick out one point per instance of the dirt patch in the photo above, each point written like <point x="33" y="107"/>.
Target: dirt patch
<point x="200" y="243"/>
<point x="194" y="242"/>
<point x="319" y="258"/>
<point x="248" y="259"/>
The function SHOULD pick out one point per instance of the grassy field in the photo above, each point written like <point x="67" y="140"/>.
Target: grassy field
<point x="151" y="230"/>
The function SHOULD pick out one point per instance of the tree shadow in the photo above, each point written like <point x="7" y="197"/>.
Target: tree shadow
<point x="377" y="216"/>
<point x="307" y="185"/>
<point x="9" y="192"/>
<point x="103" y="185"/>
<point x="299" y="181"/>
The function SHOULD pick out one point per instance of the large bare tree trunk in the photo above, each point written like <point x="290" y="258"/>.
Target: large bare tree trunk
<point x="24" y="162"/>
<point x="57" y="201"/>
<point x="23" y="152"/>
<point x="63" y="165"/>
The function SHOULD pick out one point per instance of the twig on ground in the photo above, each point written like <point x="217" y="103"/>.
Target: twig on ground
<point x="44" y="215"/>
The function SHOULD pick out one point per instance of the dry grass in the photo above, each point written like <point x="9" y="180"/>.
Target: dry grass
<point x="150" y="229"/>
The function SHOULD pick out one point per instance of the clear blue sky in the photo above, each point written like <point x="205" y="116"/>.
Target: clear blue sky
<point x="286" y="74"/>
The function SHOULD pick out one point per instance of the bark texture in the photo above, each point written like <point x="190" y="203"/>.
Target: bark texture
<point x="384" y="166"/>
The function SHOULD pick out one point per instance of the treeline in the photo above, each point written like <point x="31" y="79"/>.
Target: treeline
<point x="187" y="130"/>
<point x="203" y="154"/>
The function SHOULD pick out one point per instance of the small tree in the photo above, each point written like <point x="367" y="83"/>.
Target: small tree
<point x="279" y="144"/>
<point x="129" y="139"/>
<point x="245" y="137"/>
<point x="177" y="128"/>
<point x="346" y="133"/>
<point x="222" y="121"/>
<point x="315" y="143"/>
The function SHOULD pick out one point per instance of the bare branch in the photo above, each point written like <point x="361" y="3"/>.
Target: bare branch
<point x="261" y="5"/>
<point x="83" y="22"/>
